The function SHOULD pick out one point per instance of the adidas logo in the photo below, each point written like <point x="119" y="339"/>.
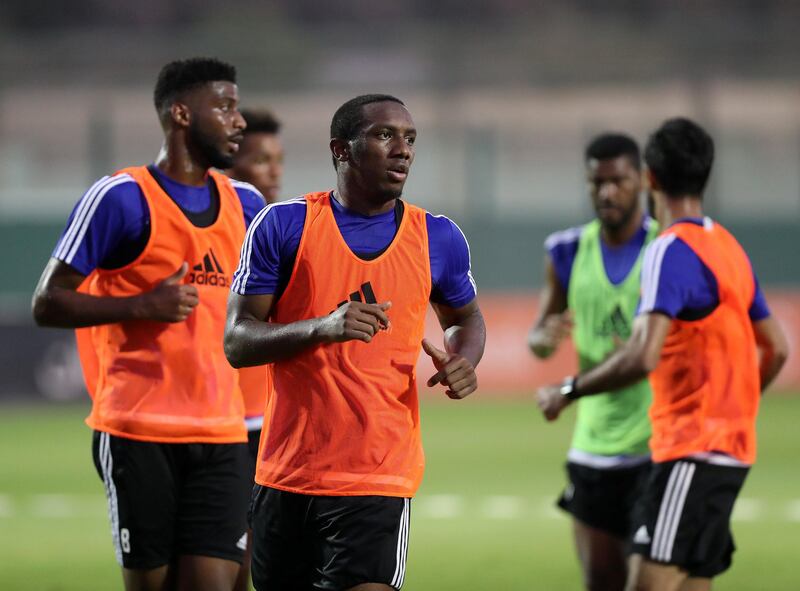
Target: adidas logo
<point x="356" y="296"/>
<point x="615" y="324"/>
<point x="641" y="536"/>
<point x="209" y="272"/>
<point x="242" y="543"/>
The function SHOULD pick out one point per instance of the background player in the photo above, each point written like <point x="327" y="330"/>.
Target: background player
<point x="259" y="161"/>
<point x="702" y="320"/>
<point x="145" y="261"/>
<point x="344" y="278"/>
<point x="592" y="278"/>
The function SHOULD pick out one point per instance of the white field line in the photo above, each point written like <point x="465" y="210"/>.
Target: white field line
<point x="793" y="510"/>
<point x="747" y="509"/>
<point x="52" y="506"/>
<point x="433" y="506"/>
<point x="6" y="506"/>
<point x="439" y="506"/>
<point x="503" y="507"/>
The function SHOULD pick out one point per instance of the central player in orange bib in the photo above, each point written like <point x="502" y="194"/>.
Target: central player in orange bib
<point x="332" y="290"/>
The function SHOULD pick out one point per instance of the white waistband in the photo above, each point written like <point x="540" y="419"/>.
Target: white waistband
<point x="254" y="423"/>
<point x="720" y="459"/>
<point x="584" y="458"/>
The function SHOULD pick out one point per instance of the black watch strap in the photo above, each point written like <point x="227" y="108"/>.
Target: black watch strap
<point x="568" y="388"/>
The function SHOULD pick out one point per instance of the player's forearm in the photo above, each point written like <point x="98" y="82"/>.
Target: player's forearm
<point x="625" y="367"/>
<point x="773" y="347"/>
<point x="64" y="308"/>
<point x="467" y="337"/>
<point x="250" y="342"/>
<point x="772" y="361"/>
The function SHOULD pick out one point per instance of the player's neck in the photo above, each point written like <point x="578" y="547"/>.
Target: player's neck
<point x="361" y="202"/>
<point x="621" y="235"/>
<point x="175" y="161"/>
<point x="677" y="208"/>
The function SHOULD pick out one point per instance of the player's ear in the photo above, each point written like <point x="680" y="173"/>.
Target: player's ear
<point x="180" y="114"/>
<point x="340" y="150"/>
<point x="649" y="180"/>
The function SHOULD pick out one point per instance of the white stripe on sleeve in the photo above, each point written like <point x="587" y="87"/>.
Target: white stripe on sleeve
<point x="651" y="270"/>
<point x="71" y="241"/>
<point x="563" y="237"/>
<point x="248" y="187"/>
<point x="242" y="274"/>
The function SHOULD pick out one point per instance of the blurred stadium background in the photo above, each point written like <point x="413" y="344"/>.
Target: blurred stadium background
<point x="505" y="94"/>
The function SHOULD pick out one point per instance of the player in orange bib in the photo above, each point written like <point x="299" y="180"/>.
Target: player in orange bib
<point x="706" y="337"/>
<point x="332" y="290"/>
<point x="143" y="269"/>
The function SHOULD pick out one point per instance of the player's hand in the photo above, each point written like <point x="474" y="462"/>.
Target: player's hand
<point x="354" y="321"/>
<point x="453" y="371"/>
<point x="554" y="329"/>
<point x="171" y="300"/>
<point x="551" y="402"/>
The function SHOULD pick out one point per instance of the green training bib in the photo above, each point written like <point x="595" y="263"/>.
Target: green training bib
<point x="609" y="423"/>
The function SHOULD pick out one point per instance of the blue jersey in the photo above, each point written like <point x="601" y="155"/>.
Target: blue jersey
<point x="562" y="247"/>
<point x="676" y="283"/>
<point x="270" y="249"/>
<point x="109" y="226"/>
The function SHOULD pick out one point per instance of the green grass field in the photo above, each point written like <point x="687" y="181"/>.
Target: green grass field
<point x="483" y="519"/>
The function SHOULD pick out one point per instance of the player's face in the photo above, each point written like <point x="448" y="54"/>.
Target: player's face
<point x="260" y="162"/>
<point x="382" y="154"/>
<point x="215" y="127"/>
<point x="614" y="186"/>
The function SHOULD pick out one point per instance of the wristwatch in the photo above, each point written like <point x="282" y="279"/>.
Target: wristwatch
<point x="568" y="388"/>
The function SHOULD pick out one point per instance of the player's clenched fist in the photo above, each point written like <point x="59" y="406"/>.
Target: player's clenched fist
<point x="170" y="300"/>
<point x="546" y="338"/>
<point x="551" y="402"/>
<point x="354" y="321"/>
<point x="453" y="371"/>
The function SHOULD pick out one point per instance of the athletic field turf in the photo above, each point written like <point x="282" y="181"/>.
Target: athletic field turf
<point x="483" y="519"/>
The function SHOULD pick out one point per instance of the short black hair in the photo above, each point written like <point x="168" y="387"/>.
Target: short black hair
<point x="182" y="75"/>
<point x="261" y="121"/>
<point x="613" y="145"/>
<point x="349" y="118"/>
<point x="680" y="154"/>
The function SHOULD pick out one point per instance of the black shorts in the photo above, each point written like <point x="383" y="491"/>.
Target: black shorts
<point x="253" y="437"/>
<point x="604" y="498"/>
<point x="683" y="517"/>
<point x="171" y="499"/>
<point x="303" y="542"/>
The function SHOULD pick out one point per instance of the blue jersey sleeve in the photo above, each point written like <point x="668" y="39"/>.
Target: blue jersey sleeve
<point x="251" y="198"/>
<point x="562" y="247"/>
<point x="675" y="282"/>
<point x="759" y="309"/>
<point x="269" y="249"/>
<point x="109" y="216"/>
<point x="451" y="276"/>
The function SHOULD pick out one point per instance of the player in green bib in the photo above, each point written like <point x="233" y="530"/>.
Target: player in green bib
<point x="591" y="292"/>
